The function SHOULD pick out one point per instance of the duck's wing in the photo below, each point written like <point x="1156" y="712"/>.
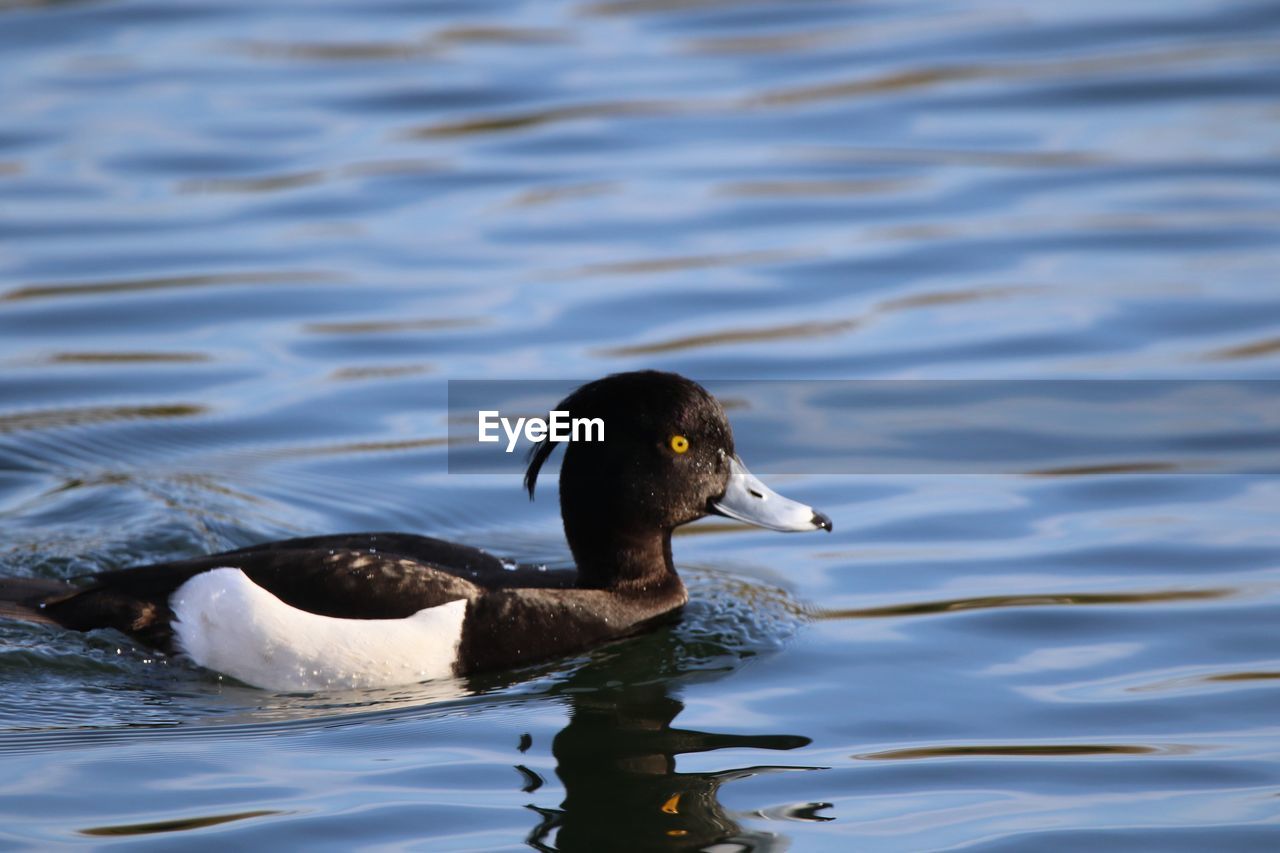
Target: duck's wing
<point x="439" y="553"/>
<point x="471" y="564"/>
<point x="342" y="582"/>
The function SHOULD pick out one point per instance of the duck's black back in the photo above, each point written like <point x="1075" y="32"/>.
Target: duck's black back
<point x="352" y="576"/>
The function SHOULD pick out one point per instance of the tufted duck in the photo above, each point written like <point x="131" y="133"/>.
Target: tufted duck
<point x="377" y="609"/>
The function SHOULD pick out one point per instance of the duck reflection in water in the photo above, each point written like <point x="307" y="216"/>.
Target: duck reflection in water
<point x="617" y="761"/>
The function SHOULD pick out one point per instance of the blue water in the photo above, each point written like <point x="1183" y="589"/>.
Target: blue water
<point x="244" y="245"/>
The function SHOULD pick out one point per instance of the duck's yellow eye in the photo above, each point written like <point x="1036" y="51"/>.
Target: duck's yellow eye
<point x="679" y="443"/>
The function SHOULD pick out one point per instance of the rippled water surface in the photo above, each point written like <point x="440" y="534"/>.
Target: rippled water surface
<point x="243" y="245"/>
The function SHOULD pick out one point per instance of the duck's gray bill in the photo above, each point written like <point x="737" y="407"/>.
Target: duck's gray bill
<point x="747" y="499"/>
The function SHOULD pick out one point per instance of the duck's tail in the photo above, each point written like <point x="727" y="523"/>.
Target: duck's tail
<point x="23" y="598"/>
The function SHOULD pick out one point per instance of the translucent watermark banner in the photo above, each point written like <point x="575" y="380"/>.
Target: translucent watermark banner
<point x="1038" y="427"/>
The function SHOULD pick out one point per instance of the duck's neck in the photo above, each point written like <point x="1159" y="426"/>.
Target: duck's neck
<point x="622" y="560"/>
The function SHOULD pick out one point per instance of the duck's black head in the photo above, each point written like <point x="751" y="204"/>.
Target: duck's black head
<point x="667" y="459"/>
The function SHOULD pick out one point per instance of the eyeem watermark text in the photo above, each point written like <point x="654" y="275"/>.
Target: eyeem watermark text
<point x="559" y="426"/>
